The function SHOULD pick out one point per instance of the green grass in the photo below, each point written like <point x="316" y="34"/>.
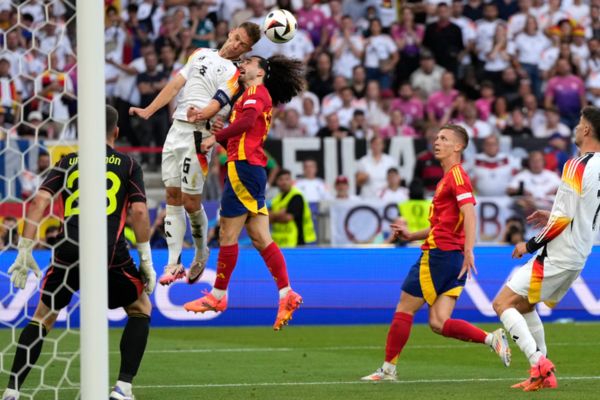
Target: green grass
<point x="325" y="362"/>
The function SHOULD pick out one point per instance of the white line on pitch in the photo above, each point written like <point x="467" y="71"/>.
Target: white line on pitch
<point x="325" y="383"/>
<point x="330" y="348"/>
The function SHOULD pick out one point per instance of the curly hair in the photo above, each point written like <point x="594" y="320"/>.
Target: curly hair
<point x="284" y="77"/>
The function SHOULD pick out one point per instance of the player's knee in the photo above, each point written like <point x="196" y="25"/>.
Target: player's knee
<point x="226" y="237"/>
<point x="436" y="325"/>
<point x="173" y="196"/>
<point x="141" y="306"/>
<point x="499" y="306"/>
<point x="191" y="203"/>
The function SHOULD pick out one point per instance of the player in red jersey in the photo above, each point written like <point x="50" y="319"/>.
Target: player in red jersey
<point x="446" y="260"/>
<point x="267" y="81"/>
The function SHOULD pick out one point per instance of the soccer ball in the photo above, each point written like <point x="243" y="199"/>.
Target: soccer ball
<point x="280" y="26"/>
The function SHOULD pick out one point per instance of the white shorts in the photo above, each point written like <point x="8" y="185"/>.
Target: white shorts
<point x="539" y="280"/>
<point x="183" y="165"/>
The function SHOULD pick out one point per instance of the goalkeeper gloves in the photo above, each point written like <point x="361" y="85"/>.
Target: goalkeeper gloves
<point x="146" y="267"/>
<point x="24" y="262"/>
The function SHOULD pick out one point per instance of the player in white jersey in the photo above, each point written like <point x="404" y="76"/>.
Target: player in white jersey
<point x="208" y="82"/>
<point x="561" y="247"/>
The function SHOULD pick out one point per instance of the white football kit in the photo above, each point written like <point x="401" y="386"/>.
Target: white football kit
<point x="208" y="76"/>
<point x="567" y="239"/>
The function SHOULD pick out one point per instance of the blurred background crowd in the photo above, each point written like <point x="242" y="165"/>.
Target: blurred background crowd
<point x="375" y="70"/>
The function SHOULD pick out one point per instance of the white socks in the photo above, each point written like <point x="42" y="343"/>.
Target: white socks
<point x="516" y="326"/>
<point x="199" y="223"/>
<point x="284" y="291"/>
<point x="218" y="293"/>
<point x="175" y="225"/>
<point x="488" y="339"/>
<point x="125" y="387"/>
<point x="534" y="323"/>
<point x="389" y="367"/>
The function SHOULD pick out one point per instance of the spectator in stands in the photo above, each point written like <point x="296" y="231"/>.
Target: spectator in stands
<point x="456" y="112"/>
<point x="347" y="47"/>
<point x="10" y="236"/>
<point x="518" y="21"/>
<point x="51" y="236"/>
<point x="10" y="91"/>
<point x="527" y="52"/>
<point x="371" y="169"/>
<point x="428" y="77"/>
<point x="168" y="61"/>
<point x="114" y="43"/>
<point x="290" y="215"/>
<point x="31" y="180"/>
<point x="320" y="81"/>
<point x="514" y="231"/>
<point x="444" y="39"/>
<point x="311" y="19"/>
<point x="312" y="187"/>
<point x="289" y="126"/>
<point x="33" y="128"/>
<point x="409" y="104"/>
<point x="428" y="169"/>
<point x="397" y="127"/>
<point x="534" y="116"/>
<point x="552" y="125"/>
<point x="535" y="185"/>
<point x="349" y="104"/>
<point x="475" y="127"/>
<point x="359" y="83"/>
<point x="493" y="169"/>
<point x="557" y="153"/>
<point x="394" y="192"/>
<point x="500" y="115"/>
<point x="486" y="28"/>
<point x="566" y="91"/>
<point x="474" y="10"/>
<point x="497" y="59"/>
<point x="333" y="128"/>
<point x="381" y="55"/>
<point x="203" y="30"/>
<point x="376" y="116"/>
<point x="516" y="126"/>
<point x="359" y="126"/>
<point x="441" y="101"/>
<point x="309" y="117"/>
<point x="342" y="189"/>
<point x="415" y="210"/>
<point x="153" y="131"/>
<point x="486" y="100"/>
<point x="408" y="36"/>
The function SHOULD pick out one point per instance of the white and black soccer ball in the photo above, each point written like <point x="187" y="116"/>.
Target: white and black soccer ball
<point x="280" y="26"/>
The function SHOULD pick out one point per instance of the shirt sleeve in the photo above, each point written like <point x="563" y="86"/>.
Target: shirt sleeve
<point x="564" y="207"/>
<point x="461" y="185"/>
<point x="187" y="68"/>
<point x="136" y="193"/>
<point x="228" y="85"/>
<point x="55" y="180"/>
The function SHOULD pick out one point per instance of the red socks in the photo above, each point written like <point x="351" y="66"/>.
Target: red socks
<point x="276" y="265"/>
<point x="228" y="256"/>
<point x="397" y="336"/>
<point x="462" y="330"/>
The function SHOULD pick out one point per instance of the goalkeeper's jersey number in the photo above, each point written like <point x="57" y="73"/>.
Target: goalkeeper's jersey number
<point x="72" y="202"/>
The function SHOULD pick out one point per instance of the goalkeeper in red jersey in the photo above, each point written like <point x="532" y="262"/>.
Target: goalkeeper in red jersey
<point x="267" y="82"/>
<point x="439" y="276"/>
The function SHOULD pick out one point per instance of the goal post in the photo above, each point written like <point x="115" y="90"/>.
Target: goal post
<point x="92" y="169"/>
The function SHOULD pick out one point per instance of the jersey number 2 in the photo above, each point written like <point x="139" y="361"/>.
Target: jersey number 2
<point x="111" y="193"/>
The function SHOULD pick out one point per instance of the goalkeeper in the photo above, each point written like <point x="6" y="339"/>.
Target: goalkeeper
<point x="127" y="287"/>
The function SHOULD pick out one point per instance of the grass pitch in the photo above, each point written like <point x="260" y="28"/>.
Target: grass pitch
<point x="326" y="362"/>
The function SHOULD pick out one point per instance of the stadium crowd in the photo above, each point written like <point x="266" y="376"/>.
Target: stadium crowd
<point x="375" y="69"/>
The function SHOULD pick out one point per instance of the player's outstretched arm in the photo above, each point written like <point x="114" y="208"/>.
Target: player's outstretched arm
<point x="163" y="98"/>
<point x="141" y="228"/>
<point x="25" y="261"/>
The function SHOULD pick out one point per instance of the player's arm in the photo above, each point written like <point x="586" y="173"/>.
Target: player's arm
<point x="163" y="98"/>
<point x="24" y="262"/>
<point x="195" y="114"/>
<point x="141" y="225"/>
<point x="563" y="209"/>
<point x="470" y="225"/>
<point x="227" y="87"/>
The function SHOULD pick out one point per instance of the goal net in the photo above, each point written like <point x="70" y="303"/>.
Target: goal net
<point x="38" y="111"/>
